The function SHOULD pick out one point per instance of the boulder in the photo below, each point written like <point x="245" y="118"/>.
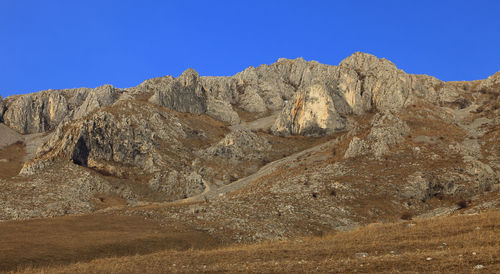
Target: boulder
<point x="357" y="147"/>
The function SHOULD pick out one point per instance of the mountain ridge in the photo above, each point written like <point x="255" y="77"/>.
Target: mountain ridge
<point x="329" y="147"/>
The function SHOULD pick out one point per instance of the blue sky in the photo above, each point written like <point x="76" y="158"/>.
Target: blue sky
<point x="65" y="44"/>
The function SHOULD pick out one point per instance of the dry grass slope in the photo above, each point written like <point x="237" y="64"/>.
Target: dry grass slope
<point x="447" y="245"/>
<point x="11" y="160"/>
<point x="70" y="239"/>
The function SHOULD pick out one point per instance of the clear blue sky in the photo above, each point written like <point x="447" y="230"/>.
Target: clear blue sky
<point x="68" y="43"/>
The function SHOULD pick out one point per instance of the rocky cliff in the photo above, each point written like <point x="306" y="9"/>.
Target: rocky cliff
<point x="291" y="141"/>
<point x="360" y="83"/>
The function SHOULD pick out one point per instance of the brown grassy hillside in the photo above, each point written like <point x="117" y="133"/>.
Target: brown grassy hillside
<point x="465" y="243"/>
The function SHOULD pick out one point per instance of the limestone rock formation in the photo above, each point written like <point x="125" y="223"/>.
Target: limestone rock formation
<point x="222" y="88"/>
<point x="103" y="138"/>
<point x="357" y="147"/>
<point x="102" y="96"/>
<point x="367" y="82"/>
<point x="492" y="81"/>
<point x="222" y="110"/>
<point x="44" y="111"/>
<point x="185" y="94"/>
<point x="313" y="111"/>
<point x="139" y="147"/>
<point x="37" y="112"/>
<point x="269" y="86"/>
<point x="239" y="144"/>
<point x="387" y="130"/>
<point x="2" y="109"/>
<point x="251" y="101"/>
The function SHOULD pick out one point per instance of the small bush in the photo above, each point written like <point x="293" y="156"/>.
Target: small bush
<point x="333" y="192"/>
<point x="462" y="204"/>
<point x="406" y="216"/>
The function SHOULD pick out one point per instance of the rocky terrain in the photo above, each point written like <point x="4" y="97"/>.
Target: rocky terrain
<point x="282" y="150"/>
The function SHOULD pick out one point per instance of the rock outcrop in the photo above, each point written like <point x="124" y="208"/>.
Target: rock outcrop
<point x="491" y="82"/>
<point x="368" y="82"/>
<point x="360" y="83"/>
<point x="313" y="111"/>
<point x="106" y="139"/>
<point x="44" y="111"/>
<point x="102" y="96"/>
<point x="222" y="110"/>
<point x="269" y="86"/>
<point x="185" y="94"/>
<point x="239" y="144"/>
<point x="2" y="109"/>
<point x="37" y="112"/>
<point x="387" y="131"/>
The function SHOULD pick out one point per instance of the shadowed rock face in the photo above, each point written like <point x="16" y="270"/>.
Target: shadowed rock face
<point x="184" y="94"/>
<point x="80" y="154"/>
<point x="2" y="109"/>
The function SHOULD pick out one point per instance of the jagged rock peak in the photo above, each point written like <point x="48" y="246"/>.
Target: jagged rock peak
<point x="299" y="59"/>
<point x="185" y="93"/>
<point x="491" y="81"/>
<point x="189" y="77"/>
<point x="365" y="61"/>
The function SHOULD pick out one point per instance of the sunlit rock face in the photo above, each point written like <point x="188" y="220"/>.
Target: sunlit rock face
<point x="36" y="112"/>
<point x="368" y="82"/>
<point x="311" y="112"/>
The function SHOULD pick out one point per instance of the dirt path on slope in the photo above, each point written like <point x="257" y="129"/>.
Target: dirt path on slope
<point x="264" y="123"/>
<point x="263" y="171"/>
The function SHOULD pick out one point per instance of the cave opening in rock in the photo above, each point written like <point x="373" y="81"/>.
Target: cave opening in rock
<point x="80" y="153"/>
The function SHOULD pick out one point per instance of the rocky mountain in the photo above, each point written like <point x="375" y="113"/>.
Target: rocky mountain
<point x="301" y="145"/>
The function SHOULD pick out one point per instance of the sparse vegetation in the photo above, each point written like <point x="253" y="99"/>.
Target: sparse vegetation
<point x="454" y="244"/>
<point x="12" y="159"/>
<point x="462" y="204"/>
<point x="406" y="216"/>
